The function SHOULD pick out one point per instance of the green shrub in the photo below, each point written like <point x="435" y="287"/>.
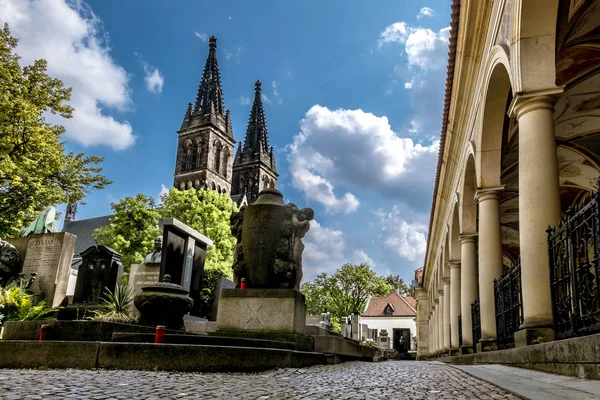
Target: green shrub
<point x="210" y="279"/>
<point x="18" y="305"/>
<point x="116" y="306"/>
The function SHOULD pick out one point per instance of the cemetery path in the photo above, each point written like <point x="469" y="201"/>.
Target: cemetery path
<point x="351" y="380"/>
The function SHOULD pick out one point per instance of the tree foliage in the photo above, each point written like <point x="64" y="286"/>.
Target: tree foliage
<point x="134" y="226"/>
<point x="35" y="170"/>
<point x="344" y="292"/>
<point x="132" y="229"/>
<point x="398" y="283"/>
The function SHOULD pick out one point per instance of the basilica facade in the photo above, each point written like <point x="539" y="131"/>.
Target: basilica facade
<point x="206" y="144"/>
<point x="514" y="243"/>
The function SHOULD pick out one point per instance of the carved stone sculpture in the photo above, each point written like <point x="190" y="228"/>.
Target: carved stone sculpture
<point x="9" y="262"/>
<point x="155" y="256"/>
<point x="269" y="233"/>
<point x="45" y="222"/>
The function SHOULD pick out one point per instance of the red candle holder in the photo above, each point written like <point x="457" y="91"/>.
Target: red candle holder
<point x="159" y="337"/>
<point x="243" y="283"/>
<point x="44" y="332"/>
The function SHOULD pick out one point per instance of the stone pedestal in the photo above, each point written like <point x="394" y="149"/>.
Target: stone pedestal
<point x="262" y="310"/>
<point x="486" y="345"/>
<point x="529" y="336"/>
<point x="466" y="350"/>
<point x="141" y="275"/>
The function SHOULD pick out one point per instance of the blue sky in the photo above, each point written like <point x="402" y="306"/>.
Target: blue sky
<point x="353" y="103"/>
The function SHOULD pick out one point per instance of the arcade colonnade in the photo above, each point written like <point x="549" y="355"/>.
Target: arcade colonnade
<point x="515" y="154"/>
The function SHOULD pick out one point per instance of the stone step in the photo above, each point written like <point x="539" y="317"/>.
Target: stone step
<point x="146" y="356"/>
<point x="128" y="337"/>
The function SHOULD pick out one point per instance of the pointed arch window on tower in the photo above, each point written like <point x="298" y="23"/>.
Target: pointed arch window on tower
<point x="218" y="150"/>
<point x="188" y="164"/>
<point x="198" y="162"/>
<point x="225" y="161"/>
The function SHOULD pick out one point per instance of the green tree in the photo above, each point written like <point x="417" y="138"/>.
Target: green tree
<point x="134" y="226"/>
<point x="344" y="292"/>
<point x="398" y="283"/>
<point x="35" y="170"/>
<point x="207" y="212"/>
<point x="132" y="229"/>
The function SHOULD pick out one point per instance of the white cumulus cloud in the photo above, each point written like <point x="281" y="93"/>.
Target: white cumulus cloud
<point x="404" y="239"/>
<point x="426" y="12"/>
<point x="326" y="250"/>
<point x="356" y="149"/>
<point x="422" y="67"/>
<point x="266" y="99"/>
<point x="153" y="79"/>
<point x="71" y="38"/>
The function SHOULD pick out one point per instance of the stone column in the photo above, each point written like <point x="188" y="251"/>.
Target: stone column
<point x="430" y="334"/>
<point x="539" y="207"/>
<point x="446" y="318"/>
<point x="436" y="348"/>
<point x="422" y="323"/>
<point x="454" y="304"/>
<point x="469" y="288"/>
<point x="490" y="263"/>
<point x="441" y="321"/>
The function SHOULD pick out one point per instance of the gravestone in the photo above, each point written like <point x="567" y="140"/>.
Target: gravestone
<point x="183" y="256"/>
<point x="364" y="330"/>
<point x="383" y="340"/>
<point x="355" y="317"/>
<point x="100" y="269"/>
<point x="49" y="256"/>
<point x="223" y="283"/>
<point x="141" y="275"/>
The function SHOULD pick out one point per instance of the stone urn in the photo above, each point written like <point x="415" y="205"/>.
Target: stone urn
<point x="261" y="234"/>
<point x="163" y="303"/>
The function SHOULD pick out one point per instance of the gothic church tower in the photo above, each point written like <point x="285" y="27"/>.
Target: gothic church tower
<point x="254" y="164"/>
<point x="205" y="141"/>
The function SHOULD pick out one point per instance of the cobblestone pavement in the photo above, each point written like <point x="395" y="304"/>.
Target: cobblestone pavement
<point x="352" y="380"/>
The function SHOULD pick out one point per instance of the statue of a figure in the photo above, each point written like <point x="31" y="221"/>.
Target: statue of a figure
<point x="269" y="245"/>
<point x="301" y="223"/>
<point x="9" y="262"/>
<point x="155" y="256"/>
<point x="45" y="222"/>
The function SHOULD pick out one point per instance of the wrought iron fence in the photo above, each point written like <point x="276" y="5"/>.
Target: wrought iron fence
<point x="509" y="306"/>
<point x="573" y="250"/>
<point x="460" y="342"/>
<point x="476" y="321"/>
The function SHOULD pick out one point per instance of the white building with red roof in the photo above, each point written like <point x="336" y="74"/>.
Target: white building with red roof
<point x="396" y="314"/>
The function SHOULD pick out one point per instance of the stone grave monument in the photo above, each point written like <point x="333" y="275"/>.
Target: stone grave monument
<point x="49" y="256"/>
<point x="100" y="269"/>
<point x="183" y="256"/>
<point x="148" y="273"/>
<point x="268" y="255"/>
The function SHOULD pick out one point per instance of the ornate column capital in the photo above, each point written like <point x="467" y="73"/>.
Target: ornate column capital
<point x="524" y="103"/>
<point x="441" y="292"/>
<point x="454" y="264"/>
<point x="446" y="281"/>
<point x="488" y="193"/>
<point x="467" y="237"/>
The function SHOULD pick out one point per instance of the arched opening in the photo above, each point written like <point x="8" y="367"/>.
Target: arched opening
<point x="218" y="150"/>
<point x="225" y="162"/>
<point x="199" y="152"/>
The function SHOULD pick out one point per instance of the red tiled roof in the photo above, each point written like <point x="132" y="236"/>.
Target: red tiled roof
<point x="403" y="306"/>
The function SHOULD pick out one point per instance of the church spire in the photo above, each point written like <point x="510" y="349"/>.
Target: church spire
<point x="210" y="93"/>
<point x="257" y="139"/>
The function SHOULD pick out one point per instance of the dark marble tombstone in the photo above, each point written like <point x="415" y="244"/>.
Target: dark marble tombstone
<point x="100" y="269"/>
<point x="183" y="257"/>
